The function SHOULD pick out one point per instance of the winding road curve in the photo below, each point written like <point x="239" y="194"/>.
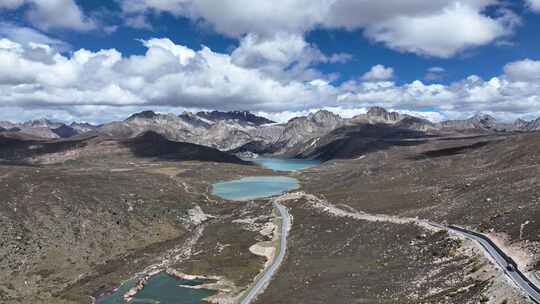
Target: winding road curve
<point x="264" y="279"/>
<point x="506" y="263"/>
<point x="502" y="260"/>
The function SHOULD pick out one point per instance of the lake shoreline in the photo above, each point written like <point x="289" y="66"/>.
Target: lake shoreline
<point x="242" y="189"/>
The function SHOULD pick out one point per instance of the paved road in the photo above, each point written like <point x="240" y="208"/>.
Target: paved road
<point x="503" y="261"/>
<point x="264" y="279"/>
<point x="506" y="263"/>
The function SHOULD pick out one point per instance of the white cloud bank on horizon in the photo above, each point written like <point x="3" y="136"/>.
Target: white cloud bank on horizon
<point x="105" y="85"/>
<point x="445" y="24"/>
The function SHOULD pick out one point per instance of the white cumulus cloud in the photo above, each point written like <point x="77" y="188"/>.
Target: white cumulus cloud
<point x="524" y="70"/>
<point x="441" y="34"/>
<point x="283" y="52"/>
<point x="378" y="72"/>
<point x="53" y="14"/>
<point x="26" y="35"/>
<point x="440" y="28"/>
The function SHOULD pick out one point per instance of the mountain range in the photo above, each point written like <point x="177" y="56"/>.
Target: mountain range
<point x="241" y="131"/>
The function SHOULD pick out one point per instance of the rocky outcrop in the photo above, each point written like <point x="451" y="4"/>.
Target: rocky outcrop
<point x="377" y="115"/>
<point x="65" y="131"/>
<point x="301" y="129"/>
<point x="82" y="127"/>
<point x="244" y="117"/>
<point x="41" y="123"/>
<point x="483" y="122"/>
<point x="143" y="114"/>
<point x="527" y="126"/>
<point x="7" y="125"/>
<point x="416" y="124"/>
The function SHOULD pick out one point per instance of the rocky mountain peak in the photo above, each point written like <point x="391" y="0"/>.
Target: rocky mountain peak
<point x="378" y="115"/>
<point x="477" y="122"/>
<point x="376" y="111"/>
<point x="188" y="115"/>
<point x="241" y="116"/>
<point x="483" y="118"/>
<point x="323" y="116"/>
<point x="81" y="124"/>
<point x="7" y="124"/>
<point x="382" y="115"/>
<point x="520" y="122"/>
<point x="82" y="127"/>
<point x="65" y="131"/>
<point x="143" y="114"/>
<point x="484" y="121"/>
<point x="41" y="123"/>
<point x="525" y="125"/>
<point x="534" y="125"/>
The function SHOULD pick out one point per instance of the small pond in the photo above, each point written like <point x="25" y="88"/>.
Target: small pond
<point x="163" y="289"/>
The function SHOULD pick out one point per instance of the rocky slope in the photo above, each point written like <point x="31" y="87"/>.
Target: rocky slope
<point x="379" y="129"/>
<point x="82" y="215"/>
<point x="31" y="150"/>
<point x="227" y="131"/>
<point x="187" y="127"/>
<point x="300" y="129"/>
<point x="152" y="144"/>
<point x="357" y="140"/>
<point x="487" y="183"/>
<point x="484" y="123"/>
<point x="76" y="229"/>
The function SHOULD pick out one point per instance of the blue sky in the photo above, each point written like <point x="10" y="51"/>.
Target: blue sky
<point x="440" y="59"/>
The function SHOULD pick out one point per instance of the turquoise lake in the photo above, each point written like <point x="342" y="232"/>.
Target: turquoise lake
<point x="162" y="289"/>
<point x="254" y="187"/>
<point x="282" y="164"/>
